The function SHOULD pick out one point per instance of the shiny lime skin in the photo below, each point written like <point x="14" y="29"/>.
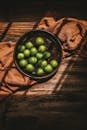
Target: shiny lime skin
<point x="40" y="71"/>
<point x="29" y="45"/>
<point x="21" y="48"/>
<point x="39" y="41"/>
<point x="39" y="55"/>
<point x="48" y="68"/>
<point x="32" y="60"/>
<point x="47" y="54"/>
<point x="43" y="63"/>
<point x="23" y="63"/>
<point x="42" y="48"/>
<point x="29" y="68"/>
<point x="20" y="56"/>
<point x="54" y="63"/>
<point x="33" y="51"/>
<point x="26" y="53"/>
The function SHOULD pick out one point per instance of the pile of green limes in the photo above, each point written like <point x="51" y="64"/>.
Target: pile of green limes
<point x="36" y="58"/>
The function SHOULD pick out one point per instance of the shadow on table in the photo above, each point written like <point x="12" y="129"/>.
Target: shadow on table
<point x="21" y="123"/>
<point x="64" y="109"/>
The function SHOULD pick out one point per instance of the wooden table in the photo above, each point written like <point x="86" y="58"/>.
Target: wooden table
<point x="60" y="103"/>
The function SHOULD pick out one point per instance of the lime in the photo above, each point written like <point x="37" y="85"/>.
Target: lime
<point x="54" y="63"/>
<point x="26" y="53"/>
<point x="29" y="68"/>
<point x="39" y="41"/>
<point x="39" y="62"/>
<point x="48" y="68"/>
<point x="29" y="45"/>
<point x="23" y="63"/>
<point x="39" y="55"/>
<point x="40" y="71"/>
<point x="20" y="56"/>
<point x="46" y="54"/>
<point x="21" y="48"/>
<point x="32" y="60"/>
<point x="42" y="48"/>
<point x="33" y="51"/>
<point x="43" y="63"/>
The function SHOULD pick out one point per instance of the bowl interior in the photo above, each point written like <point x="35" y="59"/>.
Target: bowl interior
<point x="52" y="43"/>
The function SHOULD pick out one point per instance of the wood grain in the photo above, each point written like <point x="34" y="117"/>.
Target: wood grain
<point x="59" y="103"/>
<point x="3" y="26"/>
<point x="17" y="29"/>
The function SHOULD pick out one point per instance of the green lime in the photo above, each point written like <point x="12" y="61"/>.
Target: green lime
<point x="43" y="63"/>
<point x="32" y="60"/>
<point x="20" y="56"/>
<point x="48" y="68"/>
<point x="40" y="71"/>
<point x="54" y="63"/>
<point x="29" y="45"/>
<point x="39" y="41"/>
<point x="21" y="48"/>
<point x="29" y="68"/>
<point x="47" y="54"/>
<point x="39" y="62"/>
<point x="33" y="51"/>
<point x="23" y="63"/>
<point x="42" y="48"/>
<point x="26" y="53"/>
<point x="39" y="55"/>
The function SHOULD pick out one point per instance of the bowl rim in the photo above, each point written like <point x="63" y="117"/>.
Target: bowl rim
<point x="57" y="40"/>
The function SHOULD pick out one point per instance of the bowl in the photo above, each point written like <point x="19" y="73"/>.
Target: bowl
<point x="52" y="45"/>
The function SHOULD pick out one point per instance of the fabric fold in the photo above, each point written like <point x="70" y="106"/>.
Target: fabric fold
<point x="70" y="31"/>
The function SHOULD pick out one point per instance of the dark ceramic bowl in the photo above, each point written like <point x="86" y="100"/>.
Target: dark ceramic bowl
<point x="53" y="44"/>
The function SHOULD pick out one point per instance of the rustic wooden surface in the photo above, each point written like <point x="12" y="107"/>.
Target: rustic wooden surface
<point x="60" y="103"/>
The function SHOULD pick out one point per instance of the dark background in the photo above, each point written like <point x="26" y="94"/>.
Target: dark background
<point x="21" y="10"/>
<point x="65" y="110"/>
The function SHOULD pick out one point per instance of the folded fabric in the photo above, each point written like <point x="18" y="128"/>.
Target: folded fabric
<point x="8" y="71"/>
<point x="16" y="78"/>
<point x="70" y="31"/>
<point x="6" y="54"/>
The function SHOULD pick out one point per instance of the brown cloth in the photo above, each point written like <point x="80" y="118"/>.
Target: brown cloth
<point x="69" y="30"/>
<point x="9" y="75"/>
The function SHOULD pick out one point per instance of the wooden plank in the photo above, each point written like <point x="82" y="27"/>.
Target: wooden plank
<point x="56" y="104"/>
<point x="17" y="29"/>
<point x="55" y="82"/>
<point x="43" y="103"/>
<point x="62" y="96"/>
<point x="3" y="26"/>
<point x="43" y="108"/>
